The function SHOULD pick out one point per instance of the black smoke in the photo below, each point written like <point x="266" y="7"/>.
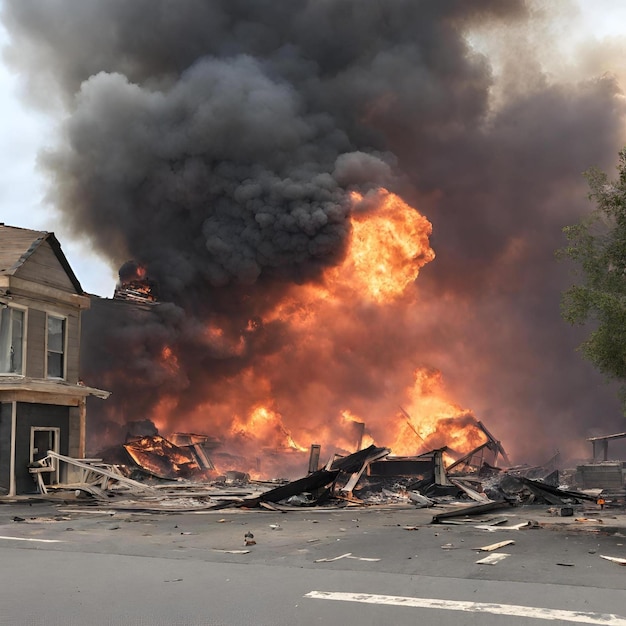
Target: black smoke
<point x="216" y="142"/>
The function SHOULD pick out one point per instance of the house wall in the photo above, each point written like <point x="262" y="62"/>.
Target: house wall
<point x="36" y="332"/>
<point x="43" y="267"/>
<point x="74" y="443"/>
<point x="73" y="346"/>
<point x="5" y="446"/>
<point x="43" y="285"/>
<point x="43" y="415"/>
<point x="35" y="342"/>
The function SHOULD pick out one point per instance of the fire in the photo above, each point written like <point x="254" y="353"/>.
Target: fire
<point x="221" y="342"/>
<point x="431" y="420"/>
<point x="135" y="283"/>
<point x="265" y="427"/>
<point x="306" y="367"/>
<point x="169" y="360"/>
<point x="388" y="247"/>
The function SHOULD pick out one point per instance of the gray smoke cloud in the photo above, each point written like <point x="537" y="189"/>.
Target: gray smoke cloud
<point x="216" y="143"/>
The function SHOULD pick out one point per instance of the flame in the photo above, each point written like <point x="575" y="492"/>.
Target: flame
<point x="265" y="427"/>
<point x="388" y="247"/>
<point x="431" y="420"/>
<point x="310" y="381"/>
<point x="348" y="416"/>
<point x="169" y="360"/>
<point x="221" y="343"/>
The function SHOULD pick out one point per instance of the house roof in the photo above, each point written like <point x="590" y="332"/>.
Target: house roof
<point x="18" y="244"/>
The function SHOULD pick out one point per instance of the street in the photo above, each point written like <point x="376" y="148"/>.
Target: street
<point x="380" y="565"/>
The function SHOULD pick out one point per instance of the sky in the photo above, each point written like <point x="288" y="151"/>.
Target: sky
<point x="25" y="132"/>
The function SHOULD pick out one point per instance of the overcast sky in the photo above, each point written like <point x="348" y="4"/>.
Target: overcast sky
<point x="24" y="132"/>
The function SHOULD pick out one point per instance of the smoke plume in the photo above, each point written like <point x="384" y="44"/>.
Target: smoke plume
<point x="219" y="144"/>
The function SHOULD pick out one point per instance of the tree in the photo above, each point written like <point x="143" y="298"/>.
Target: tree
<point x="598" y="245"/>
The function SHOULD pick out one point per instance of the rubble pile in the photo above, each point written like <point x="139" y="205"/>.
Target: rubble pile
<point x="158" y="474"/>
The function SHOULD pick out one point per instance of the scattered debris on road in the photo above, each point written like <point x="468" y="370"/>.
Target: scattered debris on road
<point x="614" y="559"/>
<point x="496" y="546"/>
<point x="494" y="558"/>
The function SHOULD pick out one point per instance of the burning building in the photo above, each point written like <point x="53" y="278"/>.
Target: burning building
<point x="316" y="331"/>
<point x="275" y="171"/>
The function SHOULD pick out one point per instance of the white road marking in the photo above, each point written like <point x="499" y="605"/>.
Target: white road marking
<point x="605" y="619"/>
<point x="29" y="539"/>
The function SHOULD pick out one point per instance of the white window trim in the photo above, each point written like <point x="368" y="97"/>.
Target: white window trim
<point x="66" y="326"/>
<point x="24" y="309"/>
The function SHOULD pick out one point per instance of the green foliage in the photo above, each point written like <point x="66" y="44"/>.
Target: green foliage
<point x="598" y="245"/>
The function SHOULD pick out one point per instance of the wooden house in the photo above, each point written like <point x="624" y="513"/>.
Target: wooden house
<point x="42" y="401"/>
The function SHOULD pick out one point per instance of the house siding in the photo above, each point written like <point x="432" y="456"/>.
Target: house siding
<point x="73" y="347"/>
<point x="43" y="267"/>
<point x="35" y="342"/>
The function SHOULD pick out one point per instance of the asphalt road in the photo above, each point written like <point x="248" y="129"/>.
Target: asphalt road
<point x="63" y="567"/>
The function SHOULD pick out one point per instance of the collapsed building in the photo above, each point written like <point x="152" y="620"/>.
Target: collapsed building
<point x="47" y="449"/>
<point x="369" y="475"/>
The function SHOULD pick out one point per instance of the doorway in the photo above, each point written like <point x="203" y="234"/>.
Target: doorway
<point x="43" y="439"/>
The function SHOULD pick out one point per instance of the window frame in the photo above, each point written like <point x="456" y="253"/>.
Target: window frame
<point x="24" y="310"/>
<point x="64" y="319"/>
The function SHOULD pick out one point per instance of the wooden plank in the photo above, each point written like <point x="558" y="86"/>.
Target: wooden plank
<point x="310" y="483"/>
<point x="337" y="558"/>
<point x="492" y="559"/>
<point x="271" y="507"/>
<point x="314" y="457"/>
<point x="614" y="559"/>
<point x="354" y="479"/>
<point x="472" y="493"/>
<point x="62" y="388"/>
<point x="471" y="510"/>
<point x="100" y="470"/>
<point x="39" y="397"/>
<point x="496" y="546"/>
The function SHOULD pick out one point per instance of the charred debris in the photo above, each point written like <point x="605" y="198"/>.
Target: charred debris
<point x="149" y="472"/>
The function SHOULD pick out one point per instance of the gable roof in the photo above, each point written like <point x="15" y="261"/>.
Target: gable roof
<point x="18" y="244"/>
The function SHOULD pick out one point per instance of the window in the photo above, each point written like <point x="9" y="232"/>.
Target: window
<point x="11" y="340"/>
<point x="56" y="347"/>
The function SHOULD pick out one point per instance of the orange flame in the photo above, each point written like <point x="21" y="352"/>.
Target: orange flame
<point x="169" y="360"/>
<point x="430" y="420"/>
<point x="265" y="427"/>
<point x="279" y="402"/>
<point x="388" y="246"/>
